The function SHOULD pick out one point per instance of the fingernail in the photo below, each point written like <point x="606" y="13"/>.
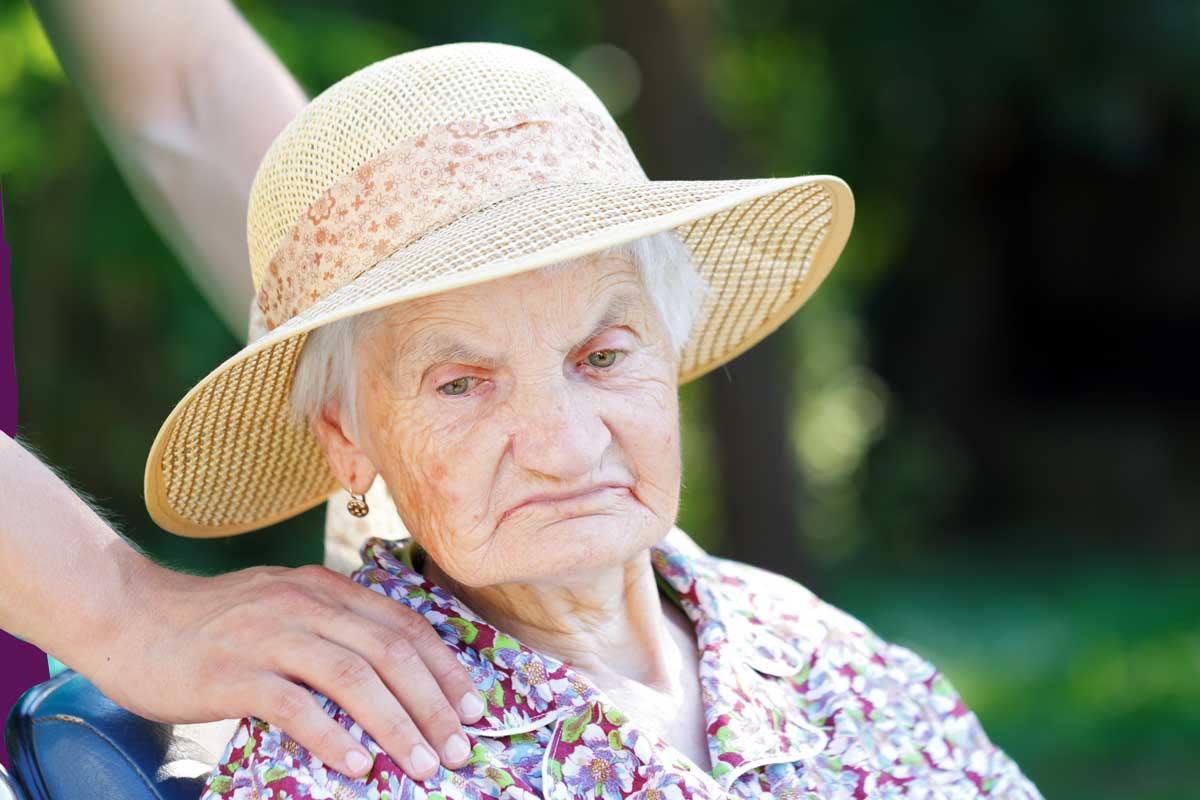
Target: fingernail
<point x="357" y="761"/>
<point x="471" y="704"/>
<point x="457" y="748"/>
<point x="423" y="758"/>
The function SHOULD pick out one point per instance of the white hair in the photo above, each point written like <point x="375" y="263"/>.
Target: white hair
<point x="325" y="368"/>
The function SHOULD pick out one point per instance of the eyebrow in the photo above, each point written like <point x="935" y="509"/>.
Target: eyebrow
<point x="436" y="348"/>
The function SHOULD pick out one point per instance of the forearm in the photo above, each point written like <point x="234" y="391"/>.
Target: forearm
<point x="188" y="98"/>
<point x="69" y="581"/>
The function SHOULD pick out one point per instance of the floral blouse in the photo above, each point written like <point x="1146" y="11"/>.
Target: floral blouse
<point x="801" y="700"/>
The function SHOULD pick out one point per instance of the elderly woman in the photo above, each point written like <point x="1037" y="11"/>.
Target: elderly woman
<point x="476" y="295"/>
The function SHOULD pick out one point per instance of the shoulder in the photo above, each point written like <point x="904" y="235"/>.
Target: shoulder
<point x="828" y="638"/>
<point x="785" y="607"/>
<point x="871" y="693"/>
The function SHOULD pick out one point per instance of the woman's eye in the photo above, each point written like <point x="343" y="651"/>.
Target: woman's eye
<point x="457" y="386"/>
<point x="603" y="359"/>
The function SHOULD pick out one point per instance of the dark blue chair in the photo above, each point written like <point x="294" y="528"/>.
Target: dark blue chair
<point x="67" y="741"/>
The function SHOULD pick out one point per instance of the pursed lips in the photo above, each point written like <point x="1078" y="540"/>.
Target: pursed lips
<point x="558" y="498"/>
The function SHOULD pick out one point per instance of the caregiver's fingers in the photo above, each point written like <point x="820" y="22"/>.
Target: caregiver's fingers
<point x="293" y="708"/>
<point x="350" y="681"/>
<point x="454" y="683"/>
<point x="397" y="660"/>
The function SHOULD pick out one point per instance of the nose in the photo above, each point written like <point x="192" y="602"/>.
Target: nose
<point x="558" y="431"/>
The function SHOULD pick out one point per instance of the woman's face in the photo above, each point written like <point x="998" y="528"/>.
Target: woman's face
<point x="478" y="404"/>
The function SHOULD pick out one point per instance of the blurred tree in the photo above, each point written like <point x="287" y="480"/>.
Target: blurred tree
<point x="681" y="139"/>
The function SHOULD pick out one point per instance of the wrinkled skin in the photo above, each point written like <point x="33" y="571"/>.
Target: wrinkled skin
<point x="543" y="419"/>
<point x="539" y="398"/>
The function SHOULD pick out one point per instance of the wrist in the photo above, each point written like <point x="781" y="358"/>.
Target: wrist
<point x="122" y="621"/>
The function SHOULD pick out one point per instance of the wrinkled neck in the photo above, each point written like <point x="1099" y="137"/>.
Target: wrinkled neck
<point x="621" y="624"/>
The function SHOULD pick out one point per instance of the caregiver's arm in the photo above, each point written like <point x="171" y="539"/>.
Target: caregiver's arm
<point x="188" y="98"/>
<point x="183" y="648"/>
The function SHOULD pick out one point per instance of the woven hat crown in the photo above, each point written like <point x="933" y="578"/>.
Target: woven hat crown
<point x="382" y="105"/>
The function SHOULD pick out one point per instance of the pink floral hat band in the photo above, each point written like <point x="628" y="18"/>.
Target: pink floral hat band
<point x="430" y="180"/>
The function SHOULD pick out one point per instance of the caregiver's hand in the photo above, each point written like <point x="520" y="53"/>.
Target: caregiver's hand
<point x="184" y="648"/>
<point x="239" y="644"/>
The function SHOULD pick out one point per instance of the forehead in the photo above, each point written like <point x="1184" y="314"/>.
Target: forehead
<point x="579" y="298"/>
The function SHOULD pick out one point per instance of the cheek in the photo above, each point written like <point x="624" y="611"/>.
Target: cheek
<point x="441" y="480"/>
<point x="426" y="476"/>
<point x="666" y="451"/>
<point x="649" y="431"/>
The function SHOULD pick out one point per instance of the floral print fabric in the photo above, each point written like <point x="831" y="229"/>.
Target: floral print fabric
<point x="801" y="700"/>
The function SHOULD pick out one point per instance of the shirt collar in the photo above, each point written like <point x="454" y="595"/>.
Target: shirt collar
<point x="748" y="673"/>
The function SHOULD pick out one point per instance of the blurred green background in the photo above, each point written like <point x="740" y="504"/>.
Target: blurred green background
<point x="980" y="437"/>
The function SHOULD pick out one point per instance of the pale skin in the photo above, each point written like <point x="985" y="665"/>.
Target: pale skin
<point x="536" y="401"/>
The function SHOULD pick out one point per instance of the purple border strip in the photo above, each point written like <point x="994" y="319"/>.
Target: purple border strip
<point x="21" y="664"/>
<point x="8" y="360"/>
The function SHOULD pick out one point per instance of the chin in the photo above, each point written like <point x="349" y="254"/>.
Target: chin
<point x="576" y="546"/>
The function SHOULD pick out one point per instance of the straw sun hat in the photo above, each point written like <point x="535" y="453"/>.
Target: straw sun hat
<point x="440" y="168"/>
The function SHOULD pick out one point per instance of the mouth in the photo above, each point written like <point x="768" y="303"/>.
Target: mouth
<point x="578" y="502"/>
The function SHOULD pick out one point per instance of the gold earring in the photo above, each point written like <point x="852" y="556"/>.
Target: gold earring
<point x="357" y="505"/>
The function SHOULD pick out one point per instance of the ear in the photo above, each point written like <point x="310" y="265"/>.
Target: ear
<point x="347" y="460"/>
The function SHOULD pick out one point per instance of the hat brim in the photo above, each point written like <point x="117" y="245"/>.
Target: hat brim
<point x="232" y="458"/>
